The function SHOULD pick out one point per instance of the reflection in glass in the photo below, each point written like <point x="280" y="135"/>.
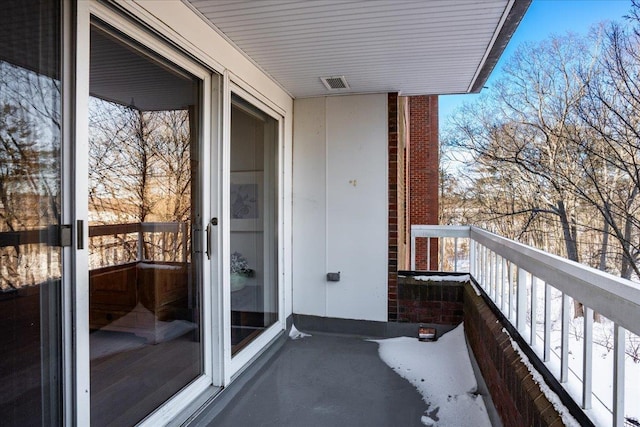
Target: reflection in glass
<point x="144" y="286"/>
<point x="30" y="259"/>
<point x="253" y="211"/>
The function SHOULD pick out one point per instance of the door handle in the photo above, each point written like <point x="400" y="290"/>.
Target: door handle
<point x="59" y="235"/>
<point x="208" y="243"/>
<point x="214" y="221"/>
<point x="80" y="234"/>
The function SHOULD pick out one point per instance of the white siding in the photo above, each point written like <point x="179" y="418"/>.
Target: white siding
<point x="440" y="45"/>
<point x="340" y="206"/>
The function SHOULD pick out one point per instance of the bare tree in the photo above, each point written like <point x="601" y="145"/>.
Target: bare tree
<point x="610" y="111"/>
<point x="29" y="169"/>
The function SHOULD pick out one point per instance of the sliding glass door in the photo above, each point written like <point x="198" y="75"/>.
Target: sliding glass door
<point x="30" y="213"/>
<point x="143" y="297"/>
<point x="254" y="222"/>
<point x="145" y="205"/>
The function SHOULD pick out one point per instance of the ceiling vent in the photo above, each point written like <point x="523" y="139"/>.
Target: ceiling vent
<point x="335" y="82"/>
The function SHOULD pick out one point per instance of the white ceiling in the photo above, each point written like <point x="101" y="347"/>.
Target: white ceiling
<point x="413" y="47"/>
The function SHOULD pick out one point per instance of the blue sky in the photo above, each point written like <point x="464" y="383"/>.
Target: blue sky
<point x="544" y="18"/>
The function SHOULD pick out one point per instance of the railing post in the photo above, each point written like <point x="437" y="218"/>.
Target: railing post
<point x="482" y="266"/>
<point x="183" y="227"/>
<point x="485" y="268"/>
<point x="140" y="243"/>
<point x="455" y="254"/>
<point x="490" y="274"/>
<point x="521" y="300"/>
<point x="510" y="290"/>
<point x="503" y="284"/>
<point x="413" y="251"/>
<point x="498" y="291"/>
<point x="472" y="258"/>
<point x="534" y="311"/>
<point x="618" y="375"/>
<point x="564" y="340"/>
<point x="547" y="322"/>
<point x="587" y="364"/>
<point x="496" y="277"/>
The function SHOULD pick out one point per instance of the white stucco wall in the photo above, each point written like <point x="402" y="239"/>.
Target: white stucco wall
<point x="340" y="206"/>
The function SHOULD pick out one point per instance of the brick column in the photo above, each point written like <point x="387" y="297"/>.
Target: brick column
<point x="392" y="279"/>
<point x="424" y="172"/>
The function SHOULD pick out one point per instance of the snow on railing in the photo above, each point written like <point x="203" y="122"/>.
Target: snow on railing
<point x="552" y="302"/>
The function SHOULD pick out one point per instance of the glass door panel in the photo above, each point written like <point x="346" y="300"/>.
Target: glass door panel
<point x="254" y="225"/>
<point x="144" y="203"/>
<point x="30" y="206"/>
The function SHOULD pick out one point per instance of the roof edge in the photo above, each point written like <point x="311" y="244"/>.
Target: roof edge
<point x="509" y="27"/>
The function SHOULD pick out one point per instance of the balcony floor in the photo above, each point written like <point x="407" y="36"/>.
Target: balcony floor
<point x="326" y="380"/>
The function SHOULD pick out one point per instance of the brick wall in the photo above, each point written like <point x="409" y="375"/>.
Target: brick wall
<point x="413" y="183"/>
<point x="423" y="171"/>
<point x="516" y="396"/>
<point x="423" y="301"/>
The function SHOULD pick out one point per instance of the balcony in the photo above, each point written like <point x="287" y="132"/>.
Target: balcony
<point x="585" y="356"/>
<point x="546" y="359"/>
<point x="572" y="325"/>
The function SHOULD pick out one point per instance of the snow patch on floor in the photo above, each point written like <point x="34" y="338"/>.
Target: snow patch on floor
<point x="441" y="371"/>
<point x="295" y="334"/>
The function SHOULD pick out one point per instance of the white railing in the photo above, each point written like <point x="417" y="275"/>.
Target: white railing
<point x="596" y="362"/>
<point x="445" y="248"/>
<point x="115" y="244"/>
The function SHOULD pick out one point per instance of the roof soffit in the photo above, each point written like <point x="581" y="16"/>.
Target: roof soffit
<point x="411" y="47"/>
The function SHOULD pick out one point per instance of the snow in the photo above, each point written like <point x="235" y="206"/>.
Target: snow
<point x="602" y="370"/>
<point x="602" y="346"/>
<point x="144" y="265"/>
<point x="441" y="371"/>
<point x="440" y="278"/>
<point x="475" y="288"/>
<point x="567" y="418"/>
<point x="295" y="334"/>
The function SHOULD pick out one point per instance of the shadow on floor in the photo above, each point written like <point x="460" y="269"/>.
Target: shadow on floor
<point x="326" y="380"/>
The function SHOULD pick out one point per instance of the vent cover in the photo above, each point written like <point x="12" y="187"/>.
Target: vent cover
<point x="335" y="82"/>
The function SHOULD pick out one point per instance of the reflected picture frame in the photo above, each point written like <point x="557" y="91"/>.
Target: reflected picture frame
<point x="246" y="201"/>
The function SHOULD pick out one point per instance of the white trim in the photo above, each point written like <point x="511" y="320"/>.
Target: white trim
<point x="253" y="349"/>
<point x="236" y="363"/>
<point x="491" y="43"/>
<point x="281" y="225"/>
<point x="140" y="13"/>
<point x="142" y="36"/>
<point x="80" y="304"/>
<point x="68" y="215"/>
<point x="225" y="222"/>
<point x="212" y="175"/>
<point x="255" y="97"/>
<point x="172" y="407"/>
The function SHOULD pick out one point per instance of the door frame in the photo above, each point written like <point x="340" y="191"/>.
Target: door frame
<point x="77" y="358"/>
<point x="236" y="364"/>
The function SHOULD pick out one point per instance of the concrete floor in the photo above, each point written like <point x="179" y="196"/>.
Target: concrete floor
<point x="325" y="380"/>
